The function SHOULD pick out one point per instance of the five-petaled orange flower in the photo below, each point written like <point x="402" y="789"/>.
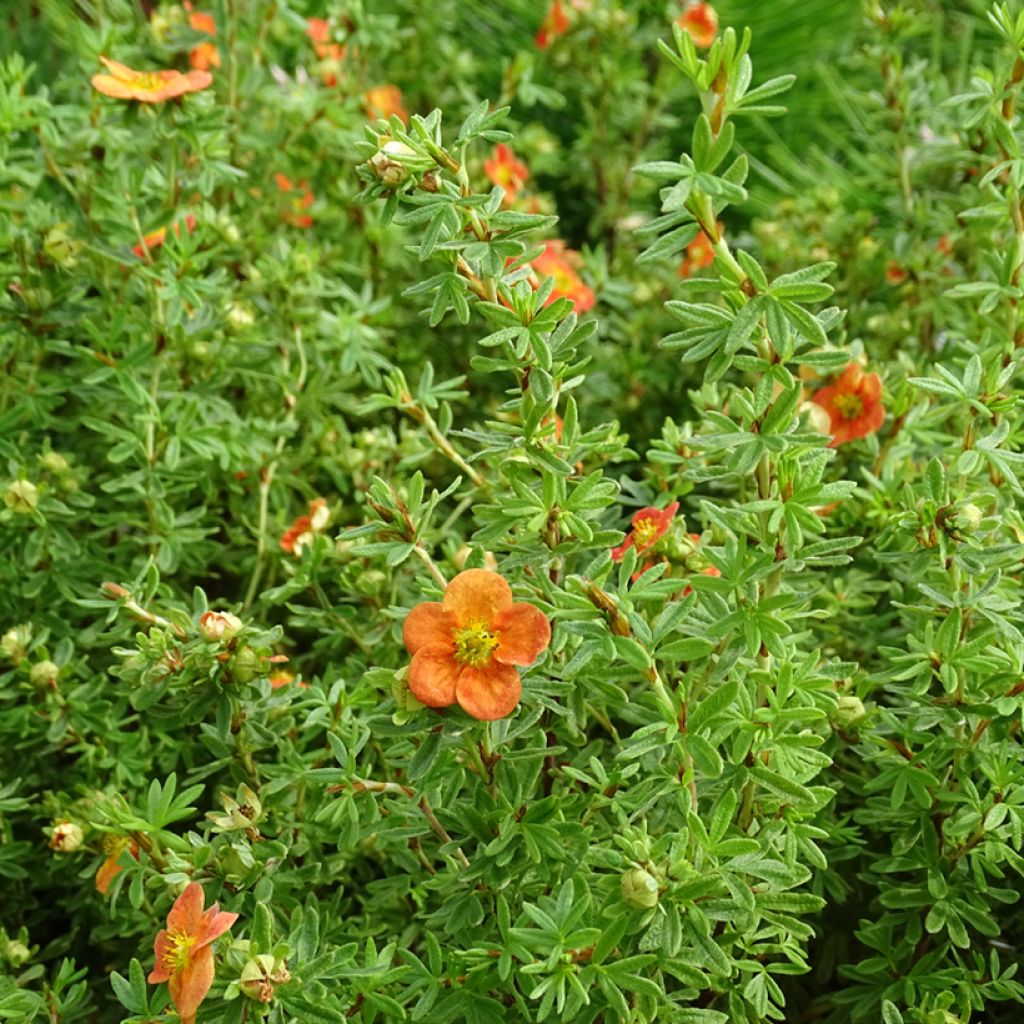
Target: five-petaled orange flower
<point x="302" y="200"/>
<point x="465" y="648"/>
<point x="124" y="83"/>
<point x="699" y="254"/>
<point x="555" y="23"/>
<point x="157" y="238"/>
<point x="560" y="262"/>
<point x="505" y="170"/>
<point x="700" y="22"/>
<point x="384" y="100"/>
<point x="649" y="526"/>
<point x="205" y="55"/>
<point x="113" y="846"/>
<point x="303" y="529"/>
<point x="184" y="950"/>
<point x="853" y="403"/>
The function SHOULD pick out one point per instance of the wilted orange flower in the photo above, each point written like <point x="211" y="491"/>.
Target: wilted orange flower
<point x="303" y="529"/>
<point x="560" y="262"/>
<point x="124" y="83"/>
<point x="384" y="100"/>
<point x="465" y="648"/>
<point x="555" y="23"/>
<point x="302" y="200"/>
<point x="184" y="950"/>
<point x="505" y="170"/>
<point x="894" y="273"/>
<point x="649" y="526"/>
<point x="700" y="22"/>
<point x="853" y="403"/>
<point x="113" y="847"/>
<point x="699" y="254"/>
<point x="157" y="238"/>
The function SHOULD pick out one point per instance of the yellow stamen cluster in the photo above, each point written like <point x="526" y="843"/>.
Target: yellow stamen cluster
<point x="849" y="406"/>
<point x="176" y="957"/>
<point x="474" y="644"/>
<point x="645" y="532"/>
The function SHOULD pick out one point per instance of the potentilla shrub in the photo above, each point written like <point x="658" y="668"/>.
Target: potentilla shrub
<point x="496" y="529"/>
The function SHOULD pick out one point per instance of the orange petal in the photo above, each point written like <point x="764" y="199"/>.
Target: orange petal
<point x="121" y="71"/>
<point x="160" y="949"/>
<point x="432" y="676"/>
<point x="215" y="923"/>
<point x="523" y="632"/>
<point x="187" y="913"/>
<point x="428" y="623"/>
<point x="188" y="987"/>
<point x="489" y="693"/>
<point x="477" y="595"/>
<point x="106" y="874"/>
<point x="116" y="88"/>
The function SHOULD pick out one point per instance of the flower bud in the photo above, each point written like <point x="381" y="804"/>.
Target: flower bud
<point x="407" y="703"/>
<point x="44" y="673"/>
<point x="239" y="316"/>
<point x="390" y="164"/>
<point x="66" y="837"/>
<point x="259" y="976"/>
<point x="246" y="665"/>
<point x="55" y="462"/>
<point x="849" y="710"/>
<point x="219" y="626"/>
<point x="15" y="953"/>
<point x="15" y="641"/>
<point x="371" y="582"/>
<point x="965" y="518"/>
<point x="22" y="497"/>
<point x="640" y="888"/>
<point x="61" y="247"/>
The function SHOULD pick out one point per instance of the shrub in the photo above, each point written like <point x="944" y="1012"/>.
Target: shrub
<point x="458" y="564"/>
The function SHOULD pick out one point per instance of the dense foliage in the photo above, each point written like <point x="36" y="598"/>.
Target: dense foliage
<point x="526" y="525"/>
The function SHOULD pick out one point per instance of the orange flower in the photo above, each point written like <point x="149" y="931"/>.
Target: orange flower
<point x="184" y="950"/>
<point x="300" y="202"/>
<point x="560" y="262"/>
<point x="113" y="847"/>
<point x="555" y="23"/>
<point x="853" y="403"/>
<point x="505" y="170"/>
<point x="304" y="528"/>
<point x="465" y="648"/>
<point x="281" y="677"/>
<point x="384" y="100"/>
<point x="157" y="238"/>
<point x="124" y="83"/>
<point x="700" y="22"/>
<point x="649" y="526"/>
<point x="205" y="55"/>
<point x="699" y="254"/>
<point x="331" y="53"/>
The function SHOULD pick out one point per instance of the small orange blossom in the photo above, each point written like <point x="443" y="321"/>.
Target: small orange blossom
<point x="157" y="238"/>
<point x="505" y="170"/>
<point x="465" y="649"/>
<point x="205" y="55"/>
<point x="560" y="262"/>
<point x="302" y="200"/>
<point x="700" y="22"/>
<point x="699" y="254"/>
<point x="384" y="100"/>
<point x="184" y="950"/>
<point x="853" y="403"/>
<point x="124" y="83"/>
<point x="113" y="846"/>
<point x="303" y="529"/>
<point x="649" y="526"/>
<point x="555" y="23"/>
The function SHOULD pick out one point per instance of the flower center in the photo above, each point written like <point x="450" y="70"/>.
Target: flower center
<point x="849" y="406"/>
<point x="474" y="644"/>
<point x="176" y="957"/>
<point x="645" y="533"/>
<point x="149" y="81"/>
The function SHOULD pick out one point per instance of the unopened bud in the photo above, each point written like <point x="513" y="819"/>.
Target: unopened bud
<point x="392" y="163"/>
<point x="371" y="582"/>
<point x="55" y="462"/>
<point x="246" y="665"/>
<point x="21" y="496"/>
<point x="965" y="519"/>
<point x="44" y="673"/>
<point x="849" y="710"/>
<point x="66" y="837"/>
<point x="15" y="641"/>
<point x="219" y="626"/>
<point x="640" y="888"/>
<point x="15" y="953"/>
<point x="260" y="975"/>
<point x="240" y="316"/>
<point x="407" y="703"/>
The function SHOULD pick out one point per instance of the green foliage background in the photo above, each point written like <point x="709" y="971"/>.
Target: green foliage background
<point x="815" y="755"/>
